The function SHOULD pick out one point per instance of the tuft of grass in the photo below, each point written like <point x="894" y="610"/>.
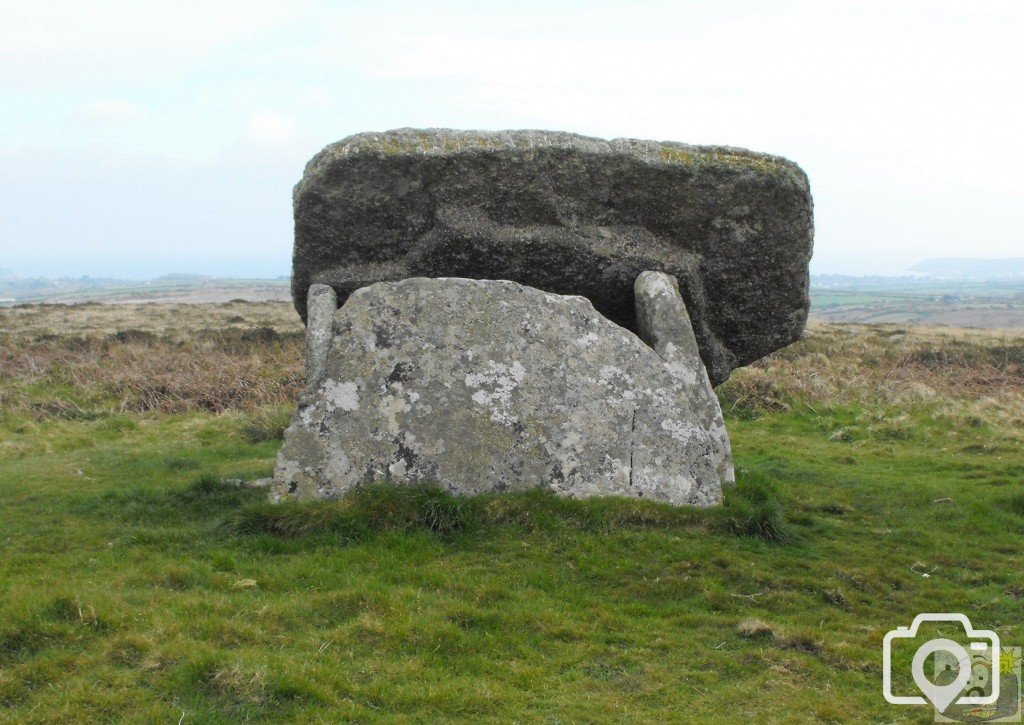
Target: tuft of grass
<point x="753" y="628"/>
<point x="1015" y="503"/>
<point x="804" y="640"/>
<point x="211" y="493"/>
<point x="753" y="508"/>
<point x="179" y="463"/>
<point x="836" y="597"/>
<point x="755" y="394"/>
<point x="133" y="336"/>
<point x="266" y="424"/>
<point x="127" y="650"/>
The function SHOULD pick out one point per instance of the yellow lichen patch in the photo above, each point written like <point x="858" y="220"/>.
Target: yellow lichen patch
<point x="696" y="156"/>
<point x="676" y="155"/>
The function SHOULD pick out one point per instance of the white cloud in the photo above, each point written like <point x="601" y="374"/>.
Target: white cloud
<point x="110" y="110"/>
<point x="271" y="128"/>
<point x="50" y="43"/>
<point x="319" y="98"/>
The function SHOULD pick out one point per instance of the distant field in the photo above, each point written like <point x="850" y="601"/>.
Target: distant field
<point x="162" y="290"/>
<point x="990" y="305"/>
<point x="137" y="585"/>
<point x="955" y="309"/>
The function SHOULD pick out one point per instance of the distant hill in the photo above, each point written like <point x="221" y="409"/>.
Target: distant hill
<point x="968" y="268"/>
<point x="182" y="277"/>
<point x="178" y="287"/>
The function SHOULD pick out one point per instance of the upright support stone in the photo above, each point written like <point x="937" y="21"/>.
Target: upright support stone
<point x="321" y="305"/>
<point x="664" y="324"/>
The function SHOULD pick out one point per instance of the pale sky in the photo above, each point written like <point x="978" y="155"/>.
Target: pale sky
<point x="142" y="138"/>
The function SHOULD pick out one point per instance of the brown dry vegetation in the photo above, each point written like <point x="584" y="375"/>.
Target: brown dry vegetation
<point x="177" y="320"/>
<point x="83" y="361"/>
<point x="974" y="377"/>
<point x="80" y="361"/>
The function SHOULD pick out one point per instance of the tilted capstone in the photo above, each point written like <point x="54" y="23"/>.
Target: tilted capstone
<point x="570" y="215"/>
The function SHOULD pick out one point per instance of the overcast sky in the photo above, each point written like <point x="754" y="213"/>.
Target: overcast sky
<point x="141" y="138"/>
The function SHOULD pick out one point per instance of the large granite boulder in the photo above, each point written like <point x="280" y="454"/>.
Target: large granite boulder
<point x="483" y="386"/>
<point x="571" y="215"/>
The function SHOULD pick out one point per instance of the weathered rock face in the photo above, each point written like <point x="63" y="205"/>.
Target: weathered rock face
<point x="571" y="215"/>
<point x="664" y="325"/>
<point x="491" y="386"/>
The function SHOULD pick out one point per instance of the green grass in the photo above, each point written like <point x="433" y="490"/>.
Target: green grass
<point x="136" y="586"/>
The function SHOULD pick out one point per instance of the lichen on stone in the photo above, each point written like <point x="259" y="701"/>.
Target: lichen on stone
<point x="464" y="394"/>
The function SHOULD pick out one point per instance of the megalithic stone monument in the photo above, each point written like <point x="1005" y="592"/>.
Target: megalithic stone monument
<point x="499" y="311"/>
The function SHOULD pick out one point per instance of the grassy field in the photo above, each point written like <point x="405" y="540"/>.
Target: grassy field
<point x="958" y="305"/>
<point x="136" y="584"/>
<point x="170" y="289"/>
